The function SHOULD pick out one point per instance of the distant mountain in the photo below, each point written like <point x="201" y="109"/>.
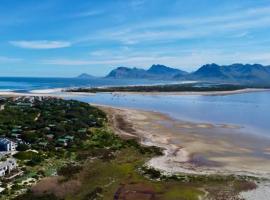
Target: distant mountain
<point x="164" y="70"/>
<point x="125" y="72"/>
<point x="85" y="76"/>
<point x="209" y="71"/>
<point x="237" y="73"/>
<point x="154" y="72"/>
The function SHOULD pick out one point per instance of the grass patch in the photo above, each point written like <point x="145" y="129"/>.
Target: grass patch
<point x="184" y="193"/>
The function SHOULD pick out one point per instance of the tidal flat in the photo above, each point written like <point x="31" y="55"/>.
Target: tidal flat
<point x="195" y="148"/>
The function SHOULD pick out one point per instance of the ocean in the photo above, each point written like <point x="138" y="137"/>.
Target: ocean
<point x="25" y="84"/>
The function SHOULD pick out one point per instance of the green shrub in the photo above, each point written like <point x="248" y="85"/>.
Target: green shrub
<point x="69" y="170"/>
<point x="25" y="155"/>
<point x="102" y="138"/>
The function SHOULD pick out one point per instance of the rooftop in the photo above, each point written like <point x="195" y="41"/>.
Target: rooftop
<point x="5" y="141"/>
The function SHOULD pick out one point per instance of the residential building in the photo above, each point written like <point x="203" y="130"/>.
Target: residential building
<point x="7" y="145"/>
<point x="7" y="166"/>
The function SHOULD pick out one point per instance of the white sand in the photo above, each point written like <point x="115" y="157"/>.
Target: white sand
<point x="261" y="193"/>
<point x="247" y="90"/>
<point x="224" y="155"/>
<point x="46" y="91"/>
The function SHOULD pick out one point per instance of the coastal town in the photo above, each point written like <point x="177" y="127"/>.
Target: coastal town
<point x="33" y="130"/>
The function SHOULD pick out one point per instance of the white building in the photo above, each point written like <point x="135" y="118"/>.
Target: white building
<point x="7" y="166"/>
<point x="7" y="145"/>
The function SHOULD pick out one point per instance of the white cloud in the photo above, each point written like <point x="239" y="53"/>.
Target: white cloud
<point x="229" y="24"/>
<point x="88" y="13"/>
<point x="110" y="53"/>
<point x="40" y="44"/>
<point x="137" y="3"/>
<point x="189" y="61"/>
<point x="72" y="62"/>
<point x="233" y="16"/>
<point x="241" y="35"/>
<point x="4" y="59"/>
<point x="130" y="61"/>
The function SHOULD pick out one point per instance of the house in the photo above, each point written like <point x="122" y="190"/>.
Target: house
<point x="16" y="129"/>
<point x="43" y="144"/>
<point x="7" y="166"/>
<point x="62" y="141"/>
<point x="7" y="145"/>
<point x="15" y="135"/>
<point x="50" y="136"/>
<point x="2" y="107"/>
<point x="24" y="105"/>
<point x="69" y="138"/>
<point x="83" y="130"/>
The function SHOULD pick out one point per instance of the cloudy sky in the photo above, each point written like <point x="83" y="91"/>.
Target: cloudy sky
<point x="68" y="37"/>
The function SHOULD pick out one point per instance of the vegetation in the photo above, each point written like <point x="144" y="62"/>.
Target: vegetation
<point x="48" y="123"/>
<point x="190" y="87"/>
<point x="94" y="163"/>
<point x="122" y="177"/>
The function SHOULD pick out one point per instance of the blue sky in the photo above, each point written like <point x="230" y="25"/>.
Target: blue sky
<point x="63" y="38"/>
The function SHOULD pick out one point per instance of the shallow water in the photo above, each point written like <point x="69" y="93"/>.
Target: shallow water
<point x="251" y="111"/>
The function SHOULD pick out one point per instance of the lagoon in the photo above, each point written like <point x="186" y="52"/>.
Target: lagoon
<point x="250" y="111"/>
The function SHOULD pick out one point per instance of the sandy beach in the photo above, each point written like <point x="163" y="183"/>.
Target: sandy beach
<point x="60" y="92"/>
<point x="43" y="92"/>
<point x="191" y="147"/>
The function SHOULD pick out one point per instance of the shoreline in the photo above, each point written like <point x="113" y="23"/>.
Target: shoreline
<point x="39" y="94"/>
<point x="188" y="147"/>
<point x="229" y="92"/>
<point x="60" y="92"/>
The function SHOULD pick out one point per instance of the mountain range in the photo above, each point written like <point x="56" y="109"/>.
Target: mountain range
<point x="238" y="73"/>
<point x="235" y="73"/>
<point x="154" y="72"/>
